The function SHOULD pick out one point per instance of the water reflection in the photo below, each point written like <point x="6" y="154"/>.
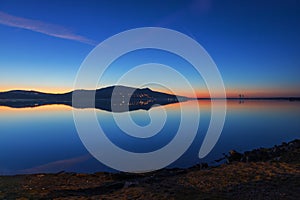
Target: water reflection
<point x="114" y="105"/>
<point x="44" y="138"/>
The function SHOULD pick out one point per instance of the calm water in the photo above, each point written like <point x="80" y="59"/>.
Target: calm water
<point x="44" y="139"/>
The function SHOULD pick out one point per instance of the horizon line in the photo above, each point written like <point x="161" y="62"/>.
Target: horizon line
<point x="198" y="98"/>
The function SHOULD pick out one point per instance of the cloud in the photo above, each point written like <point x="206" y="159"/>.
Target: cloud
<point x="42" y="27"/>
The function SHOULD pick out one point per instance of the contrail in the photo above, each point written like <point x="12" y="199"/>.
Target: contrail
<point x="42" y="27"/>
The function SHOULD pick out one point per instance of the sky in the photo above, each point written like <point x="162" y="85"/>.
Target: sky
<point x="255" y="44"/>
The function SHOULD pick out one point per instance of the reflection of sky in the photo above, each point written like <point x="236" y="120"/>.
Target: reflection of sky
<point x="44" y="139"/>
<point x="135" y="144"/>
<point x="255" y="44"/>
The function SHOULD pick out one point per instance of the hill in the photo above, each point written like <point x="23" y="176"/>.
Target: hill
<point x="113" y="98"/>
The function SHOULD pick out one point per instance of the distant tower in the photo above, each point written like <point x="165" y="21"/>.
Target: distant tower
<point x="241" y="100"/>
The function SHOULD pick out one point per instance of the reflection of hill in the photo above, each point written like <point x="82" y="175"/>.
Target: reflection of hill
<point x="100" y="104"/>
<point x="114" y="98"/>
<point x="133" y="105"/>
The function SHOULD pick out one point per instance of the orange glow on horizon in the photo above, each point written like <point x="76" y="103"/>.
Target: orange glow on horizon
<point x="258" y="92"/>
<point x="200" y="93"/>
<point x="248" y="93"/>
<point x="234" y="93"/>
<point x="39" y="89"/>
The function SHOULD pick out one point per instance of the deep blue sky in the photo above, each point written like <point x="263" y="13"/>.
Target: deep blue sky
<point x="255" y="44"/>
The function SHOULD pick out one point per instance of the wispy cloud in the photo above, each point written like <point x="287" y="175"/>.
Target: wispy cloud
<point x="42" y="27"/>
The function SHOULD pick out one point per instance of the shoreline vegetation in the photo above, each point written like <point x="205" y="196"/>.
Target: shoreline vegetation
<point x="264" y="173"/>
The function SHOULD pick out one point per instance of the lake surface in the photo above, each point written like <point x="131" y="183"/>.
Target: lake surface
<point x="44" y="139"/>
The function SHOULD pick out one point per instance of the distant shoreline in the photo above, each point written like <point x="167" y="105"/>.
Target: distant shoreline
<point x="107" y="92"/>
<point x="106" y="104"/>
<point x="254" y="98"/>
<point x="189" y="99"/>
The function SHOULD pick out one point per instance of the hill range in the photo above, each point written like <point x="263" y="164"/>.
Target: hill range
<point x="112" y="98"/>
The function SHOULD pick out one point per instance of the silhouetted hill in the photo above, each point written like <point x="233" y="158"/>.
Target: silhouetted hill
<point x="113" y="98"/>
<point x="32" y="95"/>
<point x="103" y="93"/>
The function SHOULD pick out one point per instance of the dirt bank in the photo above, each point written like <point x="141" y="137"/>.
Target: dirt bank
<point x="273" y="174"/>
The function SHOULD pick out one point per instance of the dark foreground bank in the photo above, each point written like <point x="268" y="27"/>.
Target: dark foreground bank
<point x="265" y="173"/>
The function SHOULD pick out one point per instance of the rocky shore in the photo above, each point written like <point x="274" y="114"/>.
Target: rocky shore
<point x="264" y="173"/>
